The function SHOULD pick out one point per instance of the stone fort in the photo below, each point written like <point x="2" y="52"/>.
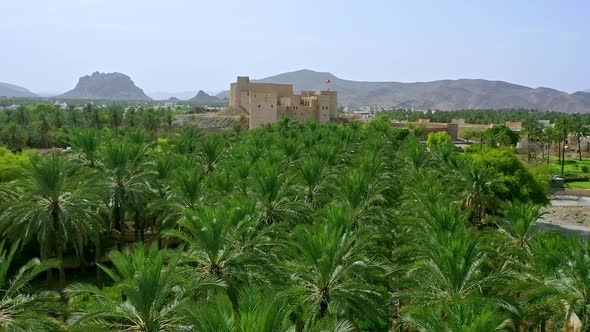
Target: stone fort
<point x="268" y="102"/>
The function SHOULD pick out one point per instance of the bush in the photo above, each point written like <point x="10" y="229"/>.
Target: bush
<point x="441" y="138"/>
<point x="585" y="168"/>
<point x="521" y="183"/>
<point x="13" y="164"/>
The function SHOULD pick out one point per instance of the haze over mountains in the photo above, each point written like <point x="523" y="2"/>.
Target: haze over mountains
<point x="106" y="86"/>
<point x="10" y="90"/>
<point x="203" y="98"/>
<point x="441" y="95"/>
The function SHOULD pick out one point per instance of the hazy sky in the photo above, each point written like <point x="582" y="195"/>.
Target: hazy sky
<point x="182" y="45"/>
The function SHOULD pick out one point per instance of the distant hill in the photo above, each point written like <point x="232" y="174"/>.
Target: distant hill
<point x="441" y="95"/>
<point x="106" y="86"/>
<point x="161" y="95"/>
<point x="203" y="98"/>
<point x="10" y="90"/>
<point x="588" y="91"/>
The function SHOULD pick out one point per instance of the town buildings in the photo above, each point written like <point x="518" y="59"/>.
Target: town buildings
<point x="268" y="102"/>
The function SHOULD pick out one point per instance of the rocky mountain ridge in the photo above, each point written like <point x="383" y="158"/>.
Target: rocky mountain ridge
<point x="106" y="86"/>
<point x="204" y="98"/>
<point x="441" y="95"/>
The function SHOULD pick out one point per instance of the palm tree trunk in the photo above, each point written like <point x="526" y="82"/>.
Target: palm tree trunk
<point x="136" y="229"/>
<point x="49" y="272"/>
<point x="97" y="257"/>
<point x="120" y="223"/>
<point x="352" y="321"/>
<point x="528" y="148"/>
<point x="562" y="157"/>
<point x="580" y="148"/>
<point x="62" y="272"/>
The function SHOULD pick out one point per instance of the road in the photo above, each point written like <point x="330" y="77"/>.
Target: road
<point x="562" y="200"/>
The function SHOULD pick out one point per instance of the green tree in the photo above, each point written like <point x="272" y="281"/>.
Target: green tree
<point x="478" y="188"/>
<point x="259" y="311"/>
<point x="58" y="207"/>
<point x="224" y="244"/>
<point x="116" y="116"/>
<point x="23" y="310"/>
<point x="441" y="138"/>
<point x="330" y="274"/>
<point x="125" y="177"/>
<point x="153" y="290"/>
<point x="562" y="127"/>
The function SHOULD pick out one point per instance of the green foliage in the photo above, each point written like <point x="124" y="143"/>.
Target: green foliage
<point x="521" y="184"/>
<point x="23" y="310"/>
<point x="438" y="139"/>
<point x="12" y="165"/>
<point x="500" y="136"/>
<point x="297" y="226"/>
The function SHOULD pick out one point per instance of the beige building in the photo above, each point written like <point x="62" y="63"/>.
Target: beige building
<point x="267" y="102"/>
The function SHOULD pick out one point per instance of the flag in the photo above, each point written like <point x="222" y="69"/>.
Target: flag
<point x="327" y="82"/>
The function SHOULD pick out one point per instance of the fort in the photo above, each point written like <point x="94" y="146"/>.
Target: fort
<point x="268" y="102"/>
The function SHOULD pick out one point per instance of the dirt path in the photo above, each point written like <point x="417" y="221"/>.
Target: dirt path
<point x="569" y="213"/>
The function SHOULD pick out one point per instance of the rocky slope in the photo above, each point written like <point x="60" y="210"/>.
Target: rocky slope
<point x="442" y="95"/>
<point x="203" y="98"/>
<point x="11" y="91"/>
<point x="106" y="86"/>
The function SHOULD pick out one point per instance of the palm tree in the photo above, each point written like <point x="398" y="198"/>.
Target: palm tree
<point x="580" y="131"/>
<point x="116" y="115"/>
<point x="186" y="190"/>
<point x="478" y="188"/>
<point x="210" y="152"/>
<point x="330" y="274"/>
<point x="518" y="223"/>
<point x="462" y="317"/>
<point x="58" y="207"/>
<point x="261" y="311"/>
<point x="88" y="141"/>
<point x="223" y="243"/>
<point x="126" y="179"/>
<point x="21" y="309"/>
<point x="533" y="131"/>
<point x="272" y="189"/>
<point x="153" y="291"/>
<point x="559" y="277"/>
<point x="447" y="275"/>
<point x="563" y="126"/>
<point x="185" y="142"/>
<point x="314" y="174"/>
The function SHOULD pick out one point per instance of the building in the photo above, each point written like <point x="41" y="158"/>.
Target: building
<point x="268" y="102"/>
<point x="431" y="127"/>
<point x="359" y="115"/>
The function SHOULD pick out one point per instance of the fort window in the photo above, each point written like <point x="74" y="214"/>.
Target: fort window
<point x="258" y="106"/>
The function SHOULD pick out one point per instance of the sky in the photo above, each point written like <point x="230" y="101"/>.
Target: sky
<point x="187" y="45"/>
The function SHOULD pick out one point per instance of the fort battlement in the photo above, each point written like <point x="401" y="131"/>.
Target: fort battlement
<point x="268" y="102"/>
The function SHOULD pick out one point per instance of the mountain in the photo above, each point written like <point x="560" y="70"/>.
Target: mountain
<point x="106" y="86"/>
<point x="441" y="95"/>
<point x="587" y="91"/>
<point x="162" y="95"/>
<point x="10" y="90"/>
<point x="203" y="98"/>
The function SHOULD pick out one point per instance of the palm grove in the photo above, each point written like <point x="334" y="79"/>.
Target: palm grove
<point x="291" y="227"/>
